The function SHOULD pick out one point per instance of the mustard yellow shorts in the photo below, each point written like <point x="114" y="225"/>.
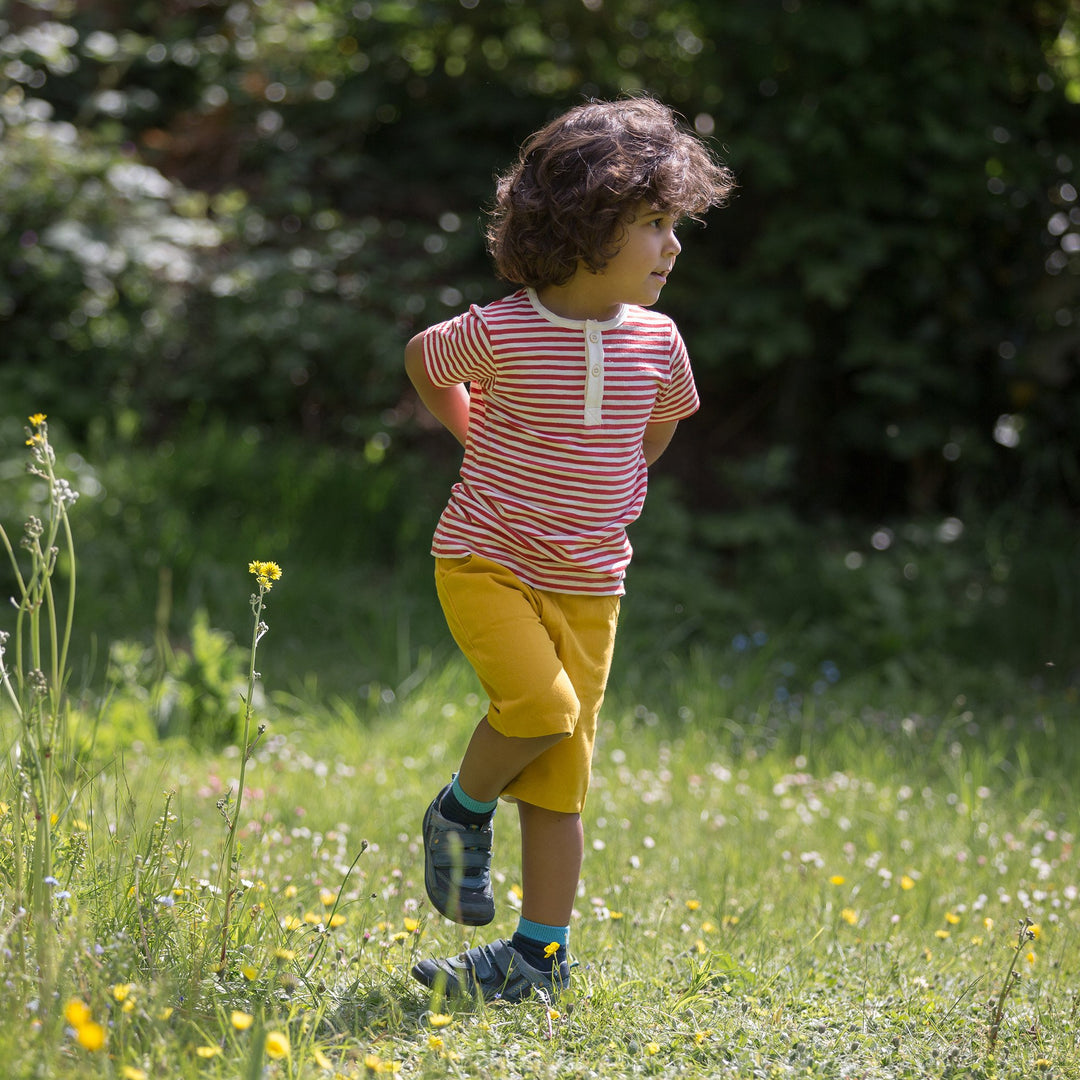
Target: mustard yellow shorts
<point x="543" y="660"/>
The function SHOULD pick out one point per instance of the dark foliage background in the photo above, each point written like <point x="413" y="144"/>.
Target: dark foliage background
<point x="222" y="220"/>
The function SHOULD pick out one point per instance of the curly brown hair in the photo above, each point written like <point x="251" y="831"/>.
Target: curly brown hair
<point x="580" y="179"/>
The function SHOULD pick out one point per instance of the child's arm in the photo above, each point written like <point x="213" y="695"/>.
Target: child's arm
<point x="656" y="439"/>
<point x="448" y="404"/>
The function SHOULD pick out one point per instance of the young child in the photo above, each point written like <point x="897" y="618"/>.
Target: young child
<point x="562" y="394"/>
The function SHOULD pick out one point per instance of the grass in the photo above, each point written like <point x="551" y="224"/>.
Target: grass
<point x="791" y="871"/>
<point x="765" y="912"/>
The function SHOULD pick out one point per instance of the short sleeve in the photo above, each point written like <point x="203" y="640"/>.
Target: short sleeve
<point x="679" y="398"/>
<point x="459" y="350"/>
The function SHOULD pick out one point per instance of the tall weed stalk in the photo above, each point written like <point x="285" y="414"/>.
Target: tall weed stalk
<point x="33" y="705"/>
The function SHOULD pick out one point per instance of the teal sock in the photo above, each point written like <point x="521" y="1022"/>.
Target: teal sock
<point x="534" y="940"/>
<point x="457" y="806"/>
<point x="467" y="802"/>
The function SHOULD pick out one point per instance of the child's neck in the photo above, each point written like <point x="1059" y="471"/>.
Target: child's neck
<point x="576" y="301"/>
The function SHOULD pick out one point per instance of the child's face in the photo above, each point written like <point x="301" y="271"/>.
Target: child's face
<point x="638" y="271"/>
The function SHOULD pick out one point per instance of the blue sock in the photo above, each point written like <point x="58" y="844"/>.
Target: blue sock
<point x="534" y="940"/>
<point x="461" y="807"/>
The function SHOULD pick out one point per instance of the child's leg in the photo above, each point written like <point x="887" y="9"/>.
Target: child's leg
<point x="492" y="760"/>
<point x="552" y="848"/>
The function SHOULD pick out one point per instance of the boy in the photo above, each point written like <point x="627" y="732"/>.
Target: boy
<point x="562" y="395"/>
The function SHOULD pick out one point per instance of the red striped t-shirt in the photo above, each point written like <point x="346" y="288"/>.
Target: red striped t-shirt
<point x="554" y="469"/>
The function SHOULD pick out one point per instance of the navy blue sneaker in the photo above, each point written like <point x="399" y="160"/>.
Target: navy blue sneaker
<point x="495" y="972"/>
<point x="457" y="867"/>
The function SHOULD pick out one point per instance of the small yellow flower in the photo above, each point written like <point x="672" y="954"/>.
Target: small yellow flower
<point x="1031" y="957"/>
<point x="241" y="1020"/>
<point x="207" y="1051"/>
<point x="1035" y="930"/>
<point x="988" y="923"/>
<point x="77" y="1013"/>
<point x="652" y="1048"/>
<point x="693" y="905"/>
<point x="38" y="419"/>
<point x="554" y="1014"/>
<point x="615" y="914"/>
<point x="266" y="573"/>
<point x="129" y="1072"/>
<point x="943" y="934"/>
<point x="551" y="949"/>
<point x="249" y="972"/>
<point x="121" y="990"/>
<point x="165" y="1012"/>
<point x="701" y="1036"/>
<point x="292" y="922"/>
<point x="284" y="954"/>
<point x="435" y="1042"/>
<point x="907" y="883"/>
<point x="850" y="916"/>
<point x="277" y="1044"/>
<point x="439" y="1020"/>
<point x="91" y="1036"/>
<point x="707" y="927"/>
<point x="311" y="918"/>
<point x="837" y="879"/>
<point x="412" y="925"/>
<point x="337" y="920"/>
<point x="290" y="891"/>
<point x="952" y="918"/>
<point x="327" y="897"/>
<point x="516" y="891"/>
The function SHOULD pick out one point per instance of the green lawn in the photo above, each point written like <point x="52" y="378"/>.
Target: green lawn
<point x="767" y="892"/>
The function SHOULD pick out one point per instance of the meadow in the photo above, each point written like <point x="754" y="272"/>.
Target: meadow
<point x="844" y="879"/>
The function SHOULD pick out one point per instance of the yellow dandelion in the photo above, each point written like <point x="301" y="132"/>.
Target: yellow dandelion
<point x="38" y="419"/>
<point x="693" y="905"/>
<point x="837" y="879"/>
<point x="977" y="940"/>
<point x="551" y="949"/>
<point x="241" y="1020"/>
<point x="129" y="1072"/>
<point x="311" y="918"/>
<point x="952" y="918"/>
<point x="1031" y="957"/>
<point x="850" y="916"/>
<point x="1043" y="1063"/>
<point x="292" y="922"/>
<point x="290" y="891"/>
<point x="277" y="1044"/>
<point x="439" y="1020"/>
<point x="435" y="1042"/>
<point x="699" y="946"/>
<point x="121" y="990"/>
<point x="1035" y="930"/>
<point x="730" y="920"/>
<point x="516" y="891"/>
<point x="128" y="1006"/>
<point x="284" y="954"/>
<point x="336" y="920"/>
<point x="907" y="883"/>
<point x="77" y="1013"/>
<point x="700" y="1037"/>
<point x="615" y="914"/>
<point x="91" y="1036"/>
<point x="942" y="934"/>
<point x="412" y="925"/>
<point x="707" y="927"/>
<point x="165" y="1012"/>
<point x="652" y="1048"/>
<point x="373" y="1062"/>
<point x="554" y="1014"/>
<point x="249" y="972"/>
<point x="327" y="897"/>
<point x="207" y="1051"/>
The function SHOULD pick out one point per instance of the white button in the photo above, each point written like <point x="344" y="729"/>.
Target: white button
<point x="596" y="371"/>
<point x="594" y="337"/>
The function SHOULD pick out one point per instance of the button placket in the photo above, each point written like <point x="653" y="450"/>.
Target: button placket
<point x="594" y="375"/>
